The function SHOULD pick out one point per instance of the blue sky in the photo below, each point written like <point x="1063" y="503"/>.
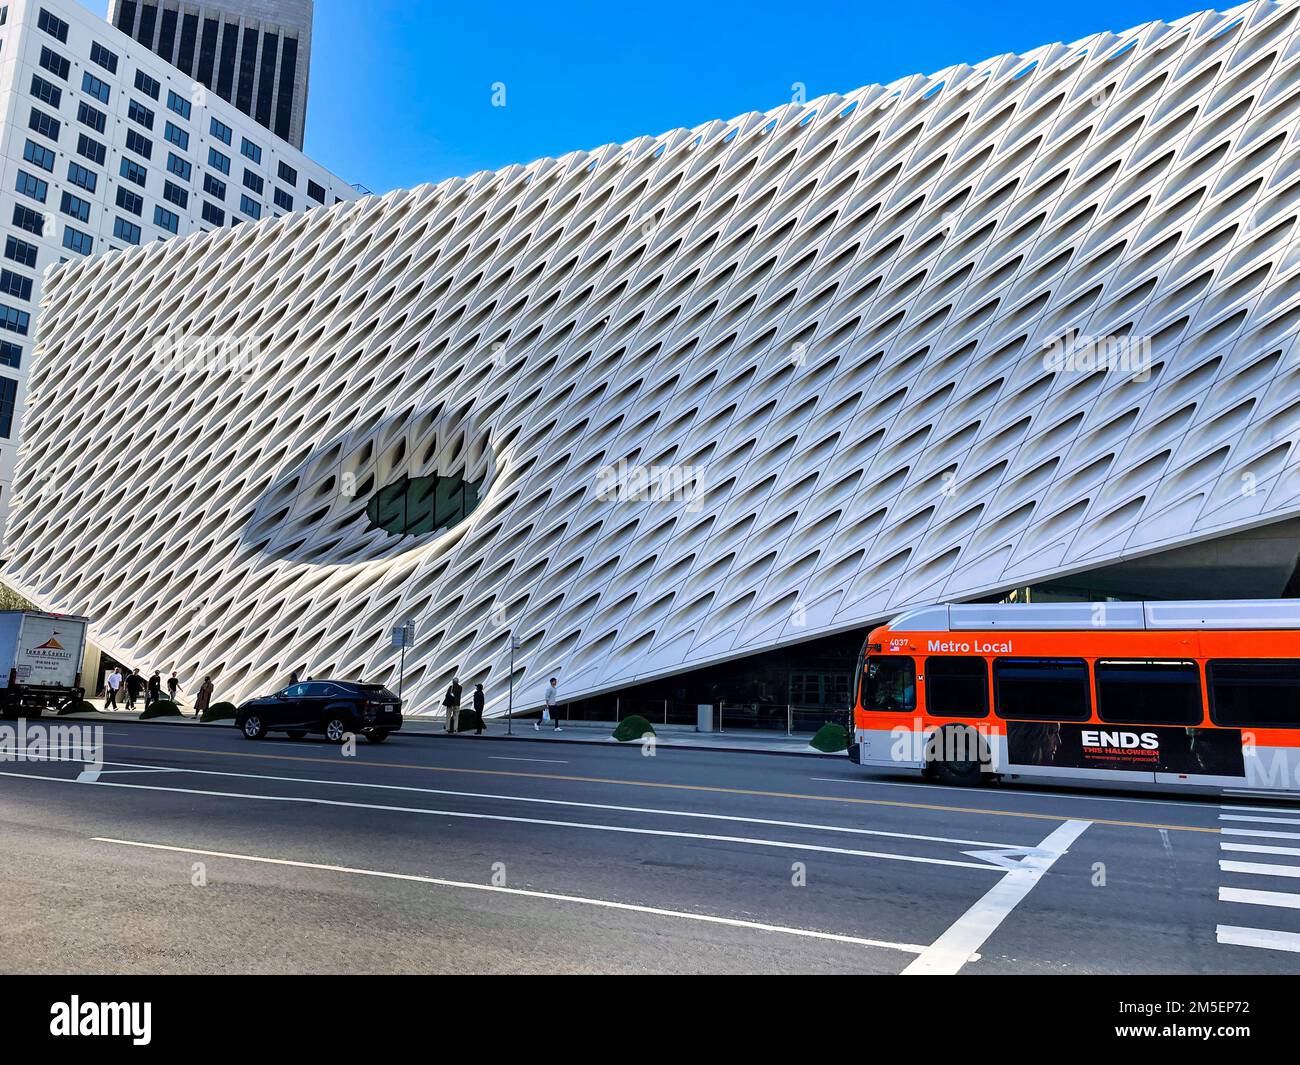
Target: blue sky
<point x="402" y="89"/>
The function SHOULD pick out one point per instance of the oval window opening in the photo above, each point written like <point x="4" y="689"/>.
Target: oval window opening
<point x="423" y="505"/>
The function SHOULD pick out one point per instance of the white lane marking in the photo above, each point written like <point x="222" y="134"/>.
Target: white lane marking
<point x="1260" y="898"/>
<point x="547" y="761"/>
<point x="735" y="818"/>
<point x="909" y="948"/>
<point x="662" y="832"/>
<point x="1261" y="833"/>
<point x="1256" y="848"/>
<point x="1037" y="794"/>
<point x="1264" y="820"/>
<point x="951" y="951"/>
<point x="1259" y="937"/>
<point x="1259" y="809"/>
<point x="1259" y="868"/>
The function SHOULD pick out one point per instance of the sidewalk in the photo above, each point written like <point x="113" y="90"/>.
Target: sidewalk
<point x="676" y="736"/>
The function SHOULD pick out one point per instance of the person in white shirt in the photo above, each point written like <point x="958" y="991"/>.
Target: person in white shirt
<point x="550" y="714"/>
<point x="111" y="689"/>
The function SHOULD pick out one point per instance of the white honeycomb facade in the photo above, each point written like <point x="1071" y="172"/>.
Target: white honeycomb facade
<point x="837" y="312"/>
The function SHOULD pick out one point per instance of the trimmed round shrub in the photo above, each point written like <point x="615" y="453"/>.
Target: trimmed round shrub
<point x="82" y="707"/>
<point x="162" y="708"/>
<point x="831" y="739"/>
<point x="633" y="729"/>
<point x="219" y="712"/>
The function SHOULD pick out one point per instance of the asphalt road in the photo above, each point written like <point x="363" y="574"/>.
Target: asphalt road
<point x="195" y="851"/>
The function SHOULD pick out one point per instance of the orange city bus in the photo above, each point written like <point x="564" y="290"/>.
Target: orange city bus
<point x="1167" y="693"/>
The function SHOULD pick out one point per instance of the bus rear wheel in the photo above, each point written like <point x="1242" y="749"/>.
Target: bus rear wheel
<point x="957" y="757"/>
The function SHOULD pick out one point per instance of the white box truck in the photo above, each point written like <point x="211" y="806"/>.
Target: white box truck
<point x="40" y="662"/>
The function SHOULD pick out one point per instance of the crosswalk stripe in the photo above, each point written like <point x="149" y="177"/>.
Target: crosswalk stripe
<point x="1260" y="868"/>
<point x="1260" y="898"/>
<point x="1260" y="833"/>
<point x="1259" y="937"/>
<point x="1256" y="848"/>
<point x="1266" y="820"/>
<point x="1257" y="809"/>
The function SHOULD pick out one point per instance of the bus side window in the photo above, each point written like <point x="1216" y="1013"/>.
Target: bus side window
<point x="957" y="687"/>
<point x="1260" y="693"/>
<point x="890" y="685"/>
<point x="1149" y="693"/>
<point x="1042" y="689"/>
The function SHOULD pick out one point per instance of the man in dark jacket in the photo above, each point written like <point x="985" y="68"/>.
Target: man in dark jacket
<point x="451" y="703"/>
<point x="154" y="692"/>
<point x="134" y="686"/>
<point x="479" y="703"/>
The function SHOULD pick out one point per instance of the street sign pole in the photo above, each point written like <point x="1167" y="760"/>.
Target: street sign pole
<point x="403" y="635"/>
<point x="510" y="709"/>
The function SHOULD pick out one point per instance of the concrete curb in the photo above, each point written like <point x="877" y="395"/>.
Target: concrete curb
<point x="189" y="722"/>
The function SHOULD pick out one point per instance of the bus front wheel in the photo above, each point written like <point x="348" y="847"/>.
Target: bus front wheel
<point x="957" y="756"/>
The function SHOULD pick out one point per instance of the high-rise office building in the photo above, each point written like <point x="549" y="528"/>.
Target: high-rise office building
<point x="103" y="145"/>
<point x="254" y="53"/>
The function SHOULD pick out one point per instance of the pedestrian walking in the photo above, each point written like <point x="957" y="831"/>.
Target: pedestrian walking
<point x="451" y="703"/>
<point x="154" y="692"/>
<point x="111" y="687"/>
<point x="551" y="711"/>
<point x="173" y="686"/>
<point x="204" y="701"/>
<point x="479" y="703"/>
<point x="134" y="688"/>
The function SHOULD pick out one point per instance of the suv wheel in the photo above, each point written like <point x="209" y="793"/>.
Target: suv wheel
<point x="253" y="727"/>
<point x="336" y="730"/>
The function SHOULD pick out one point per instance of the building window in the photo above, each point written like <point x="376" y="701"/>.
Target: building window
<point x="127" y="231"/>
<point x="250" y="207"/>
<point x="254" y="182"/>
<point x="82" y="177"/>
<point x="76" y="207"/>
<point x="8" y="401"/>
<point x="177" y="136"/>
<point x="11" y="354"/>
<point x="288" y="174"/>
<point x="76" y="240"/>
<point x="45" y="91"/>
<point x="53" y="25"/>
<point x="213" y="215"/>
<point x="283" y="200"/>
<point x="92" y="86"/>
<point x="103" y="57"/>
<point x="218" y="162"/>
<point x="28" y="185"/>
<point x="221" y="131"/>
<point x="39" y="155"/>
<point x="173" y="193"/>
<point x="178" y="103"/>
<point x="165" y="219"/>
<point x="140" y="144"/>
<point x="21" y="252"/>
<point x="251" y="151"/>
<point x="213" y="187"/>
<point x="14" y="320"/>
<point x="91" y="116"/>
<point x="133" y="171"/>
<point x="54" y="63"/>
<point x="147" y="85"/>
<point x="179" y="166"/>
<point x="15" y="284"/>
<point x="422" y="506"/>
<point x="137" y="112"/>
<point x="45" y="125"/>
<point x="91" y="149"/>
<point x="28" y="220"/>
<point x="129" y="201"/>
<point x="315" y="191"/>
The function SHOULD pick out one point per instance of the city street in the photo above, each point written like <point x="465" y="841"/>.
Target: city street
<point x="195" y="851"/>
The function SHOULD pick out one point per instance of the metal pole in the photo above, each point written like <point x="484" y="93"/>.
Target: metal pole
<point x="510" y="709"/>
<point x="789" y="719"/>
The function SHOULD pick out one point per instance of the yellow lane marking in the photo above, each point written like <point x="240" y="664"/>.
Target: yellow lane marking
<point x="798" y="796"/>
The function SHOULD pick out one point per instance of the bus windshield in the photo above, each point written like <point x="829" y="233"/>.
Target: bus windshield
<point x="889" y="685"/>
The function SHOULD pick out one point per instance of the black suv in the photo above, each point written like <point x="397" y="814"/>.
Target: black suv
<point x="333" y="708"/>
